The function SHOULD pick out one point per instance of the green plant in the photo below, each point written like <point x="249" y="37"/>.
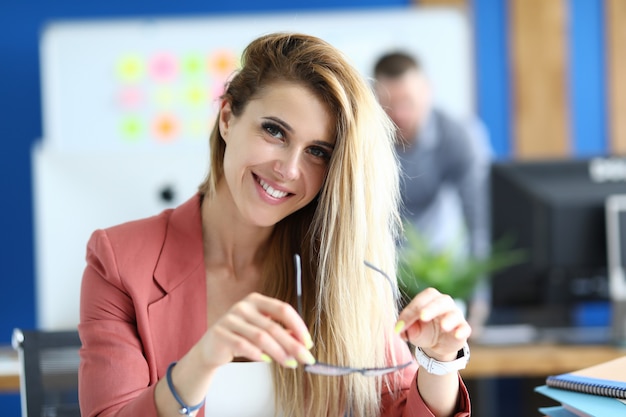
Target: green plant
<point x="421" y="267"/>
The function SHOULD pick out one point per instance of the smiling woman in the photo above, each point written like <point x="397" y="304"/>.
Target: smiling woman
<point x="277" y="151"/>
<point x="178" y="308"/>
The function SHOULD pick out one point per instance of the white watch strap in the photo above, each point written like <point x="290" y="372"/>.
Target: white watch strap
<point x="433" y="366"/>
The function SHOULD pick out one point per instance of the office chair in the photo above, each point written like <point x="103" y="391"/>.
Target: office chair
<point x="48" y="372"/>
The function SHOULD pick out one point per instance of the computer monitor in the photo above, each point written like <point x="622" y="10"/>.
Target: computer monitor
<point x="554" y="210"/>
<point x="616" y="237"/>
<point x="77" y="193"/>
<point x="616" y="240"/>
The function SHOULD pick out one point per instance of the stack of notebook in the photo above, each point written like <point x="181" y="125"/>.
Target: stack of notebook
<point x="596" y="391"/>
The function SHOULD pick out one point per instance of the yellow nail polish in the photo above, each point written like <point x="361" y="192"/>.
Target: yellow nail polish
<point x="306" y="357"/>
<point x="291" y="363"/>
<point x="308" y="342"/>
<point x="399" y="326"/>
<point x="265" y="358"/>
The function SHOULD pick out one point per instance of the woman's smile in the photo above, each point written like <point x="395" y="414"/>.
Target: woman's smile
<point x="271" y="191"/>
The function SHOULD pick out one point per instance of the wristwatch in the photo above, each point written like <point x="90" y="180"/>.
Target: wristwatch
<point x="433" y="366"/>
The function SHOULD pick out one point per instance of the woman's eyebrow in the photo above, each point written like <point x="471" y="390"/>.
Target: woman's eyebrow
<point x="281" y="122"/>
<point x="330" y="146"/>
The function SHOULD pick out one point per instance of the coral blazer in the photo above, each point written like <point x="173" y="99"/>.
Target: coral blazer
<point x="143" y="306"/>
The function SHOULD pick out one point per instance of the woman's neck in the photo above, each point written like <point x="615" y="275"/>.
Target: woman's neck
<point x="228" y="240"/>
<point x="233" y="256"/>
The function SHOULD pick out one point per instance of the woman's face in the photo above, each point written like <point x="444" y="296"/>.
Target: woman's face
<point x="277" y="152"/>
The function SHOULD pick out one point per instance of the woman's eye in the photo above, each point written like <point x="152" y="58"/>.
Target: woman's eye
<point x="273" y="130"/>
<point x="320" y="153"/>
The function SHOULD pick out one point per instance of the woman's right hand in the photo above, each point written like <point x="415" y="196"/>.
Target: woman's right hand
<point x="258" y="328"/>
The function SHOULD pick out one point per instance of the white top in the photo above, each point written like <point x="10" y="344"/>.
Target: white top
<point x="241" y="389"/>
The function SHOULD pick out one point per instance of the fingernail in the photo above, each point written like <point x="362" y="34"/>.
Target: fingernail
<point x="445" y="325"/>
<point x="460" y="334"/>
<point x="265" y="358"/>
<point x="308" y="342"/>
<point x="399" y="326"/>
<point x="306" y="357"/>
<point x="291" y="363"/>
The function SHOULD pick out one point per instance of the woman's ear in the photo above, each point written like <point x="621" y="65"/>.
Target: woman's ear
<point x="225" y="117"/>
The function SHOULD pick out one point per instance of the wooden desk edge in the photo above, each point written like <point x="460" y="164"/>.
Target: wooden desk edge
<point x="9" y="382"/>
<point x="535" y="360"/>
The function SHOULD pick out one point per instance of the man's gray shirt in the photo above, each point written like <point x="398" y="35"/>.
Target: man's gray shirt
<point x="445" y="185"/>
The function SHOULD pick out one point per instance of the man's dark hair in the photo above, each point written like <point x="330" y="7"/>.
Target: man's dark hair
<point x="394" y="64"/>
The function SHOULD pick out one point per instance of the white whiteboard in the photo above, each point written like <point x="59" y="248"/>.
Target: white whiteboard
<point x="135" y="84"/>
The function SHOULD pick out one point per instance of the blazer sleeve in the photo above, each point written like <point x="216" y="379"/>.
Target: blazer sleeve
<point x="114" y="375"/>
<point x="406" y="401"/>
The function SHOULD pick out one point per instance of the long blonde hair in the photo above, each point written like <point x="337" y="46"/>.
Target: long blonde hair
<point x="348" y="307"/>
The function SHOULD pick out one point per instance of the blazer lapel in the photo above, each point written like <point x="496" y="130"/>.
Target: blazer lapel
<point x="180" y="315"/>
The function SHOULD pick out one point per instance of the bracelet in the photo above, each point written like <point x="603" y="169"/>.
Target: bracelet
<point x="185" y="409"/>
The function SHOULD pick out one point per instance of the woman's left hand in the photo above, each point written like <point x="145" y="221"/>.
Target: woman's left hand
<point x="433" y="322"/>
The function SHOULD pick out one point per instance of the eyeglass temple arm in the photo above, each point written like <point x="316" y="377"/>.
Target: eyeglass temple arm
<point x="393" y="288"/>
<point x="298" y="265"/>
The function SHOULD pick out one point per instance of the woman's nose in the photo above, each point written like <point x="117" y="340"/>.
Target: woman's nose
<point x="288" y="165"/>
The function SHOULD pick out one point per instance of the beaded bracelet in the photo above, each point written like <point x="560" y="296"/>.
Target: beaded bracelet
<point x="185" y="409"/>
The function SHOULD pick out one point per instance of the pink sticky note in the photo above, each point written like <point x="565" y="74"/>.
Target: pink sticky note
<point x="163" y="67"/>
<point x="130" y="97"/>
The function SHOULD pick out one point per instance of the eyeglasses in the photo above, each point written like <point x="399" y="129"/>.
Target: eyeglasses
<point x="327" y="369"/>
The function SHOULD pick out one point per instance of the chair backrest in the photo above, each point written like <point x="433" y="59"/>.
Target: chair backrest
<point x="48" y="372"/>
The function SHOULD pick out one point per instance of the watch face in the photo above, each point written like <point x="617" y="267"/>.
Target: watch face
<point x="463" y="352"/>
<point x="460" y="353"/>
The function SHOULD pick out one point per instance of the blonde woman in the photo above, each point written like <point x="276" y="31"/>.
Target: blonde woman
<point x="268" y="292"/>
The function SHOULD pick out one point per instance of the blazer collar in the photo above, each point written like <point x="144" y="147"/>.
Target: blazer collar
<point x="182" y="255"/>
<point x="178" y="318"/>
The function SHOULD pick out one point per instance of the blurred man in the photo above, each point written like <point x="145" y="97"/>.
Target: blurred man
<point x="445" y="162"/>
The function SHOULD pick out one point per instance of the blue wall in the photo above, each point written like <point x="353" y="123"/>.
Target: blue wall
<point x="492" y="71"/>
<point x="587" y="77"/>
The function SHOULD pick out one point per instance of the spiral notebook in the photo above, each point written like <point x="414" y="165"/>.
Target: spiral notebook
<point x="607" y="379"/>
<point x="578" y="404"/>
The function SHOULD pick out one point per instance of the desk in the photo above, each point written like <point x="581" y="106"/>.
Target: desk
<point x="9" y="370"/>
<point x="535" y="360"/>
<point x="9" y="383"/>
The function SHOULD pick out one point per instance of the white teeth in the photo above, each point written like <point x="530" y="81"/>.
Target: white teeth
<point x="271" y="191"/>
